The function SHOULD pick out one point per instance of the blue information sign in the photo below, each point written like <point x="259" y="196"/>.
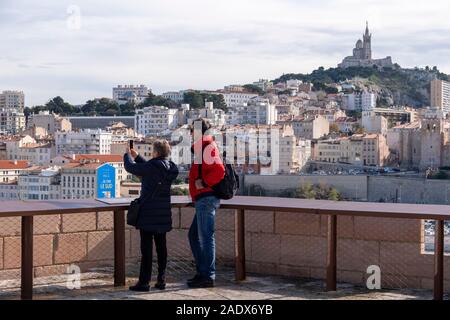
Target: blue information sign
<point x="106" y="181"/>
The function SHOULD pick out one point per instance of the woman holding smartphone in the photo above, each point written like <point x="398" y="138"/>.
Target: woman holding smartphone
<point x="155" y="215"/>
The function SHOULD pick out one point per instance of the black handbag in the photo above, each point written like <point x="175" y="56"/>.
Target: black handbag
<point x="136" y="204"/>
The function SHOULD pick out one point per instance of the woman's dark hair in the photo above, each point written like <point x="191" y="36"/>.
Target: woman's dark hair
<point x="205" y="124"/>
<point x="162" y="147"/>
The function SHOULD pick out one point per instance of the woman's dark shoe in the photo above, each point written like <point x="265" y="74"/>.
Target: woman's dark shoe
<point x="160" y="285"/>
<point x="140" y="287"/>
<point x="201" y="283"/>
<point x="195" y="278"/>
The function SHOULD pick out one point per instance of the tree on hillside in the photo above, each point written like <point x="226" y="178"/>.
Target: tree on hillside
<point x="197" y="100"/>
<point x="128" y="109"/>
<point x="154" y="100"/>
<point x="254" y="89"/>
<point x="101" y="107"/>
<point x="57" y="105"/>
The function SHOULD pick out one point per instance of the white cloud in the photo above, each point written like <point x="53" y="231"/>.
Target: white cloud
<point x="202" y="44"/>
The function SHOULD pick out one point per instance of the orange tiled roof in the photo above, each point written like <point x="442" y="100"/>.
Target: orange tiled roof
<point x="103" y="158"/>
<point x="12" y="164"/>
<point x="92" y="165"/>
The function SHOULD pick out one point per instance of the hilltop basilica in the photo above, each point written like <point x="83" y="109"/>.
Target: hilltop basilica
<point x="362" y="54"/>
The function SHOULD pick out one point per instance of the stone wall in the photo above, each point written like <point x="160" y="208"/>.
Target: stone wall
<point x="277" y="243"/>
<point x="85" y="239"/>
<point x="351" y="187"/>
<point x="361" y="188"/>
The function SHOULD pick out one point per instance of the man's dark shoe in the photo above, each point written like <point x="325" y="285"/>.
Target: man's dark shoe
<point x="195" y="278"/>
<point x="160" y="285"/>
<point x="140" y="287"/>
<point x="201" y="283"/>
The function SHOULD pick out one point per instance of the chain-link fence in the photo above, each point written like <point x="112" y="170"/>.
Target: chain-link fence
<point x="68" y="244"/>
<point x="386" y="253"/>
<point x="276" y="243"/>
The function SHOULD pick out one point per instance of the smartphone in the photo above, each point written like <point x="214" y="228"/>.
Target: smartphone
<point x="131" y="144"/>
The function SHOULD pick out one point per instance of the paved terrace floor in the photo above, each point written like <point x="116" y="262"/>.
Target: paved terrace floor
<point x="98" y="285"/>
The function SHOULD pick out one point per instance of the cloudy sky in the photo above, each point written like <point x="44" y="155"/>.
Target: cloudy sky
<point x="46" y="50"/>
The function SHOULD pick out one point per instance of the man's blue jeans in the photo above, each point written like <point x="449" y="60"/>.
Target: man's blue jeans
<point x="201" y="236"/>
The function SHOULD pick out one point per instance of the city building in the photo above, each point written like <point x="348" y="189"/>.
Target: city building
<point x="12" y="100"/>
<point x="86" y="180"/>
<point x="50" y="122"/>
<point x="116" y="160"/>
<point x="155" y="120"/>
<point x="12" y="145"/>
<point x="397" y="115"/>
<point x="235" y="99"/>
<point x="12" y="121"/>
<point x="440" y="95"/>
<point x="263" y="84"/>
<point x="421" y="145"/>
<point x="11" y="169"/>
<point x="267" y="149"/>
<point x="257" y="111"/>
<point x="347" y="124"/>
<point x="216" y="117"/>
<point x="360" y="101"/>
<point x="130" y="93"/>
<point x="358" y="149"/>
<point x="330" y="114"/>
<point x="38" y="154"/>
<point x="373" y="123"/>
<point x="234" y="88"/>
<point x="95" y="122"/>
<point x="362" y="54"/>
<point x="83" y="142"/>
<point x="9" y="191"/>
<point x="177" y="96"/>
<point x="40" y="184"/>
<point x="313" y="127"/>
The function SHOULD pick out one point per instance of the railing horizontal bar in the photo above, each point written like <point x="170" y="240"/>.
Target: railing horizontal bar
<point x="362" y="209"/>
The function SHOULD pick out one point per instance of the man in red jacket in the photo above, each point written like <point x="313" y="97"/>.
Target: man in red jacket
<point x="206" y="171"/>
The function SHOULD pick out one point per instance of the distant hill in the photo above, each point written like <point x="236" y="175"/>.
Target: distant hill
<point x="395" y="86"/>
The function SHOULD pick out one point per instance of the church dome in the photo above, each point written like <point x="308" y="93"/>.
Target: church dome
<point x="359" y="44"/>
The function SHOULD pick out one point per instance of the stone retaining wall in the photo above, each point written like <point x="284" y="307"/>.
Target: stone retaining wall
<point x="277" y="243"/>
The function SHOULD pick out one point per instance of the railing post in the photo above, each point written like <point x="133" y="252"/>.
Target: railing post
<point x="331" y="252"/>
<point x="27" y="258"/>
<point x="119" y="248"/>
<point x="239" y="244"/>
<point x="439" y="260"/>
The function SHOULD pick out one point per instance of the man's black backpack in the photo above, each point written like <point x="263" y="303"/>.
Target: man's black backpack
<point x="228" y="186"/>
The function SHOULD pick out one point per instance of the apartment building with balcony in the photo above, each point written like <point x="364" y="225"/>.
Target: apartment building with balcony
<point x="83" y="142"/>
<point x="12" y="121"/>
<point x="257" y="111"/>
<point x="362" y="101"/>
<point x="14" y="100"/>
<point x="358" y="149"/>
<point x="40" y="184"/>
<point x="155" y="120"/>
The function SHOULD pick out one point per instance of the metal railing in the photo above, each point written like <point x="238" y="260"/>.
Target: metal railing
<point x="27" y="210"/>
